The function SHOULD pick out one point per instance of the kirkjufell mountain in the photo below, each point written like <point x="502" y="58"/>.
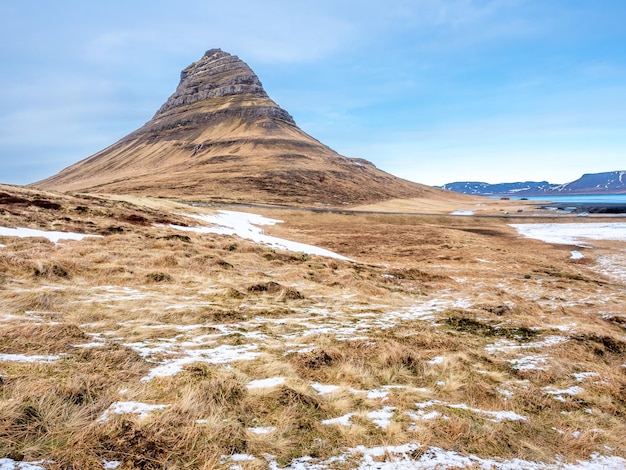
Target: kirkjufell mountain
<point x="220" y="137"/>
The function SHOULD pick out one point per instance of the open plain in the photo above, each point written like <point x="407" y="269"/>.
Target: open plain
<point x="165" y="340"/>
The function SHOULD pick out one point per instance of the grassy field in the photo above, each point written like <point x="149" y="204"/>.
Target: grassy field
<point x="449" y="340"/>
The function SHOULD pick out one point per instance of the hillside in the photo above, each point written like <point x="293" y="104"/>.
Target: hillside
<point x="220" y="137"/>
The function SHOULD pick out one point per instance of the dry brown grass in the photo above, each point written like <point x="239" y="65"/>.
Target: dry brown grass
<point x="421" y="321"/>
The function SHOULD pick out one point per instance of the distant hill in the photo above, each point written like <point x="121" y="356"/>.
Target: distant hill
<point x="612" y="182"/>
<point x="220" y="137"/>
<point x="486" y="189"/>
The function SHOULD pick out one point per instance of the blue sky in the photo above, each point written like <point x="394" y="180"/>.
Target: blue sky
<point x="434" y="91"/>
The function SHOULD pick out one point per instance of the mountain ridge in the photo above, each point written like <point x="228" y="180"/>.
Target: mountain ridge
<point x="610" y="182"/>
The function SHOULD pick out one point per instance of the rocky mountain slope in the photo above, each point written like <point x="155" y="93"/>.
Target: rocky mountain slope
<point x="612" y="182"/>
<point x="220" y="137"/>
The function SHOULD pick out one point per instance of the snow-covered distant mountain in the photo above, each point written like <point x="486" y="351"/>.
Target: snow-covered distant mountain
<point x="612" y="182"/>
<point x="486" y="189"/>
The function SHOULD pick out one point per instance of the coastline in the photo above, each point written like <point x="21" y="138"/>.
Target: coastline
<point x="582" y="208"/>
<point x="580" y="204"/>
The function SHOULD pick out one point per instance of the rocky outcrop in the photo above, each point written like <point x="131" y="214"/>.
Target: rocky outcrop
<point x="220" y="137"/>
<point x="217" y="88"/>
<point x="216" y="74"/>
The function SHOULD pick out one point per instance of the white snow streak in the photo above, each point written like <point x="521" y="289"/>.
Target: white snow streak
<point x="575" y="254"/>
<point x="25" y="358"/>
<point x="53" y="236"/>
<point x="244" y="225"/>
<point x="266" y="383"/>
<point x="134" y="407"/>
<point x="572" y="234"/>
<point x="10" y="464"/>
<point x="413" y="456"/>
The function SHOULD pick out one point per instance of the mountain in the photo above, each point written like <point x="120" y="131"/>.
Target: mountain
<point x="612" y="182"/>
<point x="486" y="189"/>
<point x="220" y="137"/>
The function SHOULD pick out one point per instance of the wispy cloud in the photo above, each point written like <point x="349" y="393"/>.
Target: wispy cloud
<point x="391" y="82"/>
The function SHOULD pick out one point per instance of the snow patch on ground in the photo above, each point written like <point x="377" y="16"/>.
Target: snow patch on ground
<point x="244" y="225"/>
<point x="53" y="236"/>
<point x="134" y="407"/>
<point x="495" y="416"/>
<point x="421" y="415"/>
<point x="575" y="254"/>
<point x="382" y="418"/>
<point x="10" y="464"/>
<point x="344" y="420"/>
<point x="462" y="212"/>
<point x="25" y="358"/>
<point x="266" y="383"/>
<point x="382" y="392"/>
<point x="262" y="430"/>
<point x="223" y="354"/>
<point x="507" y="345"/>
<point x="533" y="362"/>
<point x="324" y="389"/>
<point x="613" y="266"/>
<point x="436" y="361"/>
<point x="558" y="394"/>
<point x="581" y="376"/>
<point x="573" y="233"/>
<point x="414" y="456"/>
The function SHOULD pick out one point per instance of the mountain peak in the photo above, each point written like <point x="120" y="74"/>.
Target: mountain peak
<point x="218" y="79"/>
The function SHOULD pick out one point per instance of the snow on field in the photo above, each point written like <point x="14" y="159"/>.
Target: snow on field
<point x="10" y="464"/>
<point x="52" y="236"/>
<point x="504" y="345"/>
<point x="223" y="354"/>
<point x="413" y="456"/>
<point x="495" y="416"/>
<point x="323" y="389"/>
<point x="344" y="420"/>
<point x="244" y="225"/>
<point x="25" y="358"/>
<point x="382" y="418"/>
<point x="114" y="293"/>
<point x="613" y="265"/>
<point x="533" y="362"/>
<point x="134" y="407"/>
<point x="558" y="394"/>
<point x="262" y="430"/>
<point x="573" y="233"/>
<point x="462" y="212"/>
<point x="266" y="383"/>
<point x="171" y="355"/>
<point x="581" y="376"/>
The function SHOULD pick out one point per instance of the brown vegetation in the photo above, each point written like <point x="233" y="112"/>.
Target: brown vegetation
<point x="447" y="332"/>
